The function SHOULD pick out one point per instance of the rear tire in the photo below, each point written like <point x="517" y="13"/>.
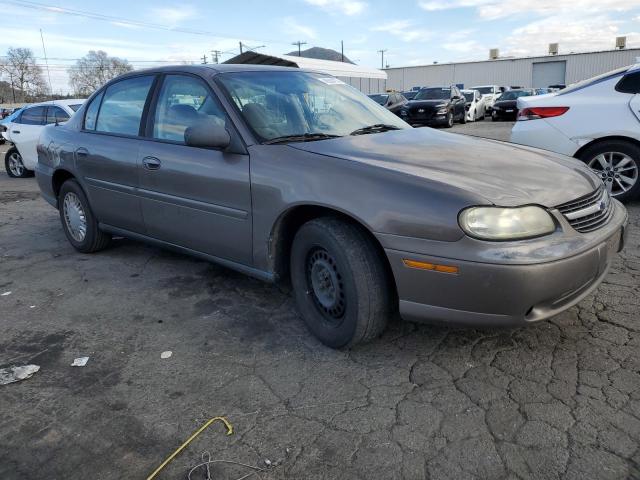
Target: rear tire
<point x="14" y="166"/>
<point x="340" y="283"/>
<point x="616" y="154"/>
<point x="78" y="222"/>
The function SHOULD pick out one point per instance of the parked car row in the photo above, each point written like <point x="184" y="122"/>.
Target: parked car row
<point x="23" y="129"/>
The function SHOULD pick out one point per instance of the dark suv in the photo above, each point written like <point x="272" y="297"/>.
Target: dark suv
<point x="436" y="106"/>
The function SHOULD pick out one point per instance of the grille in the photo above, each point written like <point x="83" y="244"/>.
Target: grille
<point x="590" y="212"/>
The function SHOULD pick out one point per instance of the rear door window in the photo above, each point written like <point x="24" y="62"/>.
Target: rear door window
<point x="33" y="116"/>
<point x="56" y="114"/>
<point x="122" y="106"/>
<point x="91" y="115"/>
<point x="630" y="83"/>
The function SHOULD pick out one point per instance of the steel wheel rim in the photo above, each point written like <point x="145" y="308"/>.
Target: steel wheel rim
<point x="326" y="285"/>
<point x="74" y="217"/>
<point x="617" y="170"/>
<point x="16" y="167"/>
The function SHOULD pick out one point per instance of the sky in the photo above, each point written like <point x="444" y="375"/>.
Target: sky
<point x="413" y="32"/>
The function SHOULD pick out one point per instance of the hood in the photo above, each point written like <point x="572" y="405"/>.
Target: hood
<point x="506" y="103"/>
<point x="427" y="103"/>
<point x="503" y="174"/>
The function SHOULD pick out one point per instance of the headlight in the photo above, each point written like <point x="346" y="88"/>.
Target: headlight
<point x="442" y="110"/>
<point x="498" y="223"/>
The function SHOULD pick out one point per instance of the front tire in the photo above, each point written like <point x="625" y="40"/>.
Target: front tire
<point x="78" y="222"/>
<point x="14" y="166"/>
<point x="340" y="283"/>
<point x="617" y="163"/>
<point x="449" y="120"/>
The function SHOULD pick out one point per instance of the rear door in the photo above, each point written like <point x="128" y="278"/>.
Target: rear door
<point x="25" y="133"/>
<point x="107" y="153"/>
<point x="198" y="198"/>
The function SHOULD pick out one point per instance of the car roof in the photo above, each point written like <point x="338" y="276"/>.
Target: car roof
<point x="215" y="68"/>
<point x="66" y="101"/>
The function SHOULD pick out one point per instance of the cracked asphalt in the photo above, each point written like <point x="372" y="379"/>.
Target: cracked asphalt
<point x="558" y="399"/>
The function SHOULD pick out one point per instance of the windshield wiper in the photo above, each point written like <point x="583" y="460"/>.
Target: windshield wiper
<point x="304" y="137"/>
<point x="378" y="127"/>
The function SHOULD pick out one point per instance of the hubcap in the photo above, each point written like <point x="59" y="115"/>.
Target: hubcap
<point x="327" y="288"/>
<point x="75" y="217"/>
<point x="617" y="170"/>
<point x="15" y="164"/>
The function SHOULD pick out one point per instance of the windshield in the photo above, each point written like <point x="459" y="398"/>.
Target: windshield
<point x="379" y="98"/>
<point x="468" y="96"/>
<point x="278" y="104"/>
<point x="484" y="90"/>
<point x="75" y="107"/>
<point x="513" y="94"/>
<point x="433" y="94"/>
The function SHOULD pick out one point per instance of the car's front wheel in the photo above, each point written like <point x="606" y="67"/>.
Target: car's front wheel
<point x="78" y="221"/>
<point x="340" y="283"/>
<point x="449" y="120"/>
<point x="617" y="162"/>
<point x="14" y="166"/>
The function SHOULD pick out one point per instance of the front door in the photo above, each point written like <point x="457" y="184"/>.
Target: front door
<point x="197" y="198"/>
<point x="107" y="154"/>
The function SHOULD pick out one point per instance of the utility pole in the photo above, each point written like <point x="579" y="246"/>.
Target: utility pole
<point x="381" y="52"/>
<point x="299" y="44"/>
<point x="215" y="54"/>
<point x="46" y="62"/>
<point x="342" y="49"/>
<point x="204" y="59"/>
<point x="240" y="47"/>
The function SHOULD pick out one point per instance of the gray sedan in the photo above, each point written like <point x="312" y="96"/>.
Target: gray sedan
<point x="292" y="176"/>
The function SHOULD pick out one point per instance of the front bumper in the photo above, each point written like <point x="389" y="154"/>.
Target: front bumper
<point x="504" y="294"/>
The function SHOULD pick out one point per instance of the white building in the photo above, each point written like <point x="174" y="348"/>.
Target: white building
<point x="534" y="72"/>
<point x="365" y="79"/>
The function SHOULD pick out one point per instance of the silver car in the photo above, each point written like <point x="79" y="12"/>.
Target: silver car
<point x="292" y="176"/>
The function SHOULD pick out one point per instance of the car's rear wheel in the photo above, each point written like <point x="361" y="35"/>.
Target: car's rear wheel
<point x="14" y="166"/>
<point x="340" y="283"/>
<point x="79" y="224"/>
<point x="617" y="163"/>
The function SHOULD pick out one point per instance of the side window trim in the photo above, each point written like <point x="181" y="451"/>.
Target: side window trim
<point x="97" y="97"/>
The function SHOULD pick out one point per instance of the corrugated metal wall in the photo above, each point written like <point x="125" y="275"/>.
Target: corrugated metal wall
<point x="366" y="85"/>
<point x="517" y="71"/>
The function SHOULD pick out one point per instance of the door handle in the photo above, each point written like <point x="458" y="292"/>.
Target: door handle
<point x="15" y="131"/>
<point x="151" y="163"/>
<point x="82" y="152"/>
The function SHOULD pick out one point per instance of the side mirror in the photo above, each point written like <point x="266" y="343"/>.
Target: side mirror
<point x="207" y="134"/>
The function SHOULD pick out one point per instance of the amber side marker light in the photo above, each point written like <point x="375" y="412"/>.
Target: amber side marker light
<point x="430" y="266"/>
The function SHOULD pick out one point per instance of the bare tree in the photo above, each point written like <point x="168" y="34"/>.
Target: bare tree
<point x="24" y="75"/>
<point x="94" y="70"/>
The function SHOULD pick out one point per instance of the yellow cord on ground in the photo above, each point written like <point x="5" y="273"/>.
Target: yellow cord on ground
<point x="189" y="440"/>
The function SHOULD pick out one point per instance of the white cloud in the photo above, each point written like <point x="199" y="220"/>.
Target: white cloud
<point x="494" y="9"/>
<point x="346" y="7"/>
<point x="173" y="15"/>
<point x="405" y="30"/>
<point x="573" y="35"/>
<point x="293" y="26"/>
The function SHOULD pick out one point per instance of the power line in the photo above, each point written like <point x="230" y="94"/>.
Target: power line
<point x="110" y="18"/>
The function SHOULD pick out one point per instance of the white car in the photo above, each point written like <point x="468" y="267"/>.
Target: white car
<point x="490" y="93"/>
<point x="476" y="105"/>
<point x="596" y="121"/>
<point x="24" y="131"/>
